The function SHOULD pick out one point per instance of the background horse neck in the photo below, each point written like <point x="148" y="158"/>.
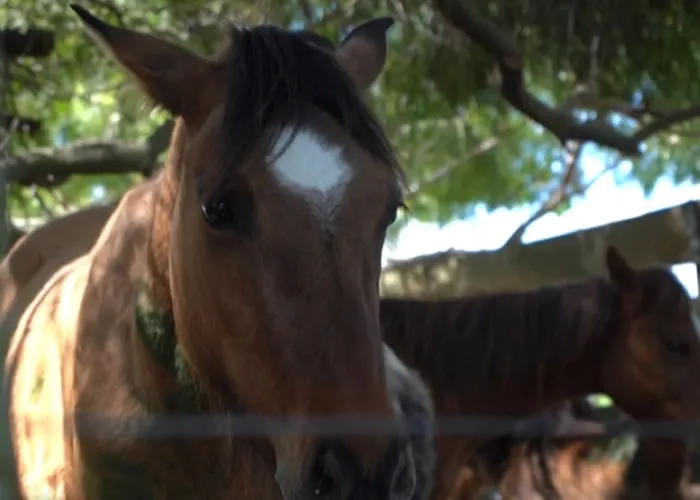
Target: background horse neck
<point x="45" y="249"/>
<point x="504" y="353"/>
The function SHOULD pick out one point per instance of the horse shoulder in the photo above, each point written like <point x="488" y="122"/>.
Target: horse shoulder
<point x="117" y="264"/>
<point x="114" y="377"/>
<point x="80" y="308"/>
<point x="34" y="371"/>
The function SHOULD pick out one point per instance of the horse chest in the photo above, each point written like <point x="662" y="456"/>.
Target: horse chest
<point x="161" y="470"/>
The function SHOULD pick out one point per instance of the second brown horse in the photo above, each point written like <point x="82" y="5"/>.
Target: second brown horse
<point x="632" y="336"/>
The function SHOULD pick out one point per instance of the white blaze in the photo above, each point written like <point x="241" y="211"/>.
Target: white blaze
<point x="312" y="169"/>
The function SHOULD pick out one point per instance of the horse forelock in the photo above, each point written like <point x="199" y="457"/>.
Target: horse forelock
<point x="276" y="77"/>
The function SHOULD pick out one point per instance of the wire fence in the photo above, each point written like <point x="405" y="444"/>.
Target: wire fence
<point x="219" y="425"/>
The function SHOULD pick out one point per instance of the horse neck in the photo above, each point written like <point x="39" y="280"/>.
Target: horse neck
<point x="166" y="387"/>
<point x="509" y="353"/>
<point x="166" y="182"/>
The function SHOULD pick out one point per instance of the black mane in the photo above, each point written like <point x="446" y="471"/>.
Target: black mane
<point x="276" y="76"/>
<point x="499" y="339"/>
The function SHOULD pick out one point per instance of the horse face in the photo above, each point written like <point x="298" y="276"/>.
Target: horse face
<point x="267" y="237"/>
<point x="655" y="357"/>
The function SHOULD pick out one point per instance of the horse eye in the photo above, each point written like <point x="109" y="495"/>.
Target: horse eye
<point x="393" y="213"/>
<point x="391" y="217"/>
<point x="228" y="213"/>
<point x="677" y="347"/>
<point x="217" y="213"/>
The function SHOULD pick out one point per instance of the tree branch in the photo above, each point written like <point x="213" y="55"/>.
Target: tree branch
<point x="42" y="203"/>
<point x="113" y="9"/>
<point x="340" y="12"/>
<point x="442" y="172"/>
<point x="308" y="13"/>
<point x="28" y="126"/>
<point x="562" y="194"/>
<point x="32" y="43"/>
<point x="558" y="196"/>
<point x="156" y="144"/>
<point x="52" y="167"/>
<point x="666" y="121"/>
<point x="466" y="18"/>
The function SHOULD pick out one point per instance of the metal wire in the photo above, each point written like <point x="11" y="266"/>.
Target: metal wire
<point x="219" y="425"/>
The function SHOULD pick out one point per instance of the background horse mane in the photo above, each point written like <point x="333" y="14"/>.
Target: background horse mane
<point x="631" y="336"/>
<point x="505" y="338"/>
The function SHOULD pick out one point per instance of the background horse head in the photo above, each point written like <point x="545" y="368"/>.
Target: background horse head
<point x="631" y="336"/>
<point x="267" y="233"/>
<point x="651" y="369"/>
<point x="652" y="364"/>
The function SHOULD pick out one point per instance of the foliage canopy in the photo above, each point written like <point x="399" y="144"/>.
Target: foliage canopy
<point x="460" y="141"/>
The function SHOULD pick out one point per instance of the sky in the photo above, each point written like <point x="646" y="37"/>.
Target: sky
<point x="604" y="203"/>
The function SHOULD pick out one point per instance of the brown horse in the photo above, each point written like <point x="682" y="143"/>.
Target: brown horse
<point x="658" y="468"/>
<point x="632" y="337"/>
<point x="42" y="251"/>
<point x="553" y="467"/>
<point x="37" y="255"/>
<point x="570" y="472"/>
<point x="34" y="258"/>
<point x="564" y="469"/>
<point x="558" y="467"/>
<point x="242" y="279"/>
<point x="510" y="464"/>
<point x="662" y="465"/>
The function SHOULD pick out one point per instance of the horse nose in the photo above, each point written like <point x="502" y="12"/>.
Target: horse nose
<point x="331" y="474"/>
<point x="335" y="473"/>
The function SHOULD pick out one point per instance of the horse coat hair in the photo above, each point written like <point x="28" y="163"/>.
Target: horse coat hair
<point x="411" y="399"/>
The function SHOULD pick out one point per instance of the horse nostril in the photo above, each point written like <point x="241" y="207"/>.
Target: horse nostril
<point x="325" y="474"/>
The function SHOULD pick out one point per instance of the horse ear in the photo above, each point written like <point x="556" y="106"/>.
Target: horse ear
<point x="363" y="52"/>
<point x="167" y="72"/>
<point x="619" y="270"/>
